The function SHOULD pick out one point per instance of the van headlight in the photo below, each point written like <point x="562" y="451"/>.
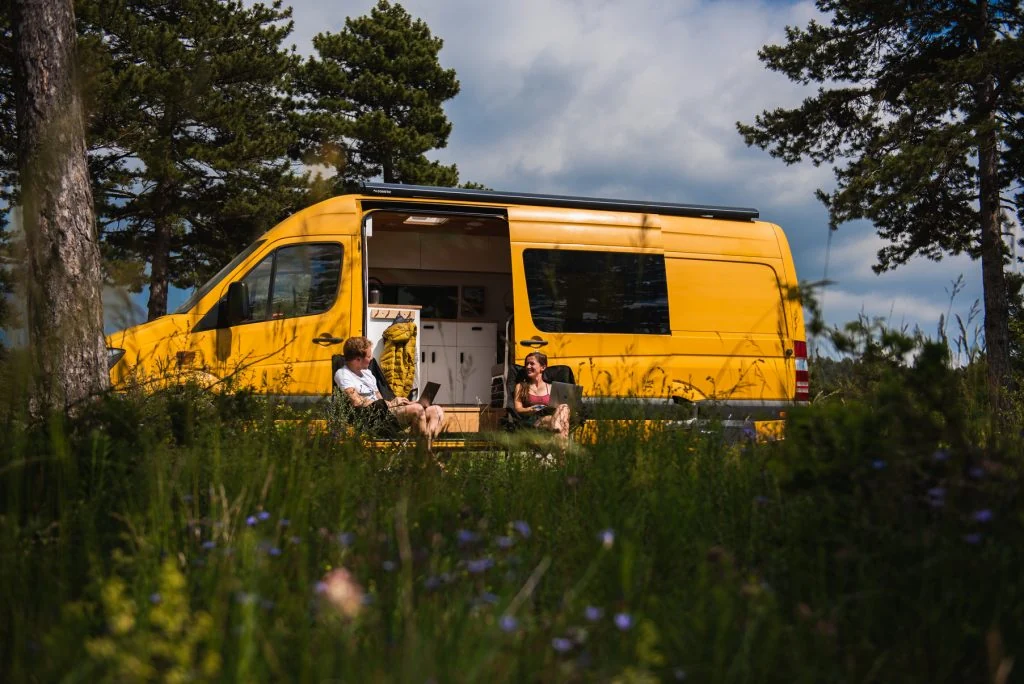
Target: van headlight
<point x="113" y="356"/>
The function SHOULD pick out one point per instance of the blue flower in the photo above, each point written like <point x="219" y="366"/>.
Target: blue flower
<point x="479" y="565"/>
<point x="431" y="583"/>
<point x="209" y="545"/>
<point x="488" y="597"/>
<point x="266" y="604"/>
<point x="508" y="624"/>
<point x="606" y="537"/>
<point x="467" y="536"/>
<point x="973" y="538"/>
<point x="251" y="520"/>
<point x="623" y="621"/>
<point x="878" y="464"/>
<point x="937" y="492"/>
<point x="294" y="540"/>
<point x="504" y="542"/>
<point x="982" y="516"/>
<point x="346" y="539"/>
<point x="561" y="644"/>
<point x="274" y="551"/>
<point x="941" y="455"/>
<point x="523" y="528"/>
<point x="155" y="598"/>
<point x="319" y="587"/>
<point x="976" y="473"/>
<point x="284" y="522"/>
<point x="593" y="613"/>
<point x="263" y="515"/>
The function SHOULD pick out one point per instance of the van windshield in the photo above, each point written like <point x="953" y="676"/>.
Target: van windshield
<point x="212" y="282"/>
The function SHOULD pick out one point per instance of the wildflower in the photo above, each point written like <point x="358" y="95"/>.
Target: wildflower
<point x="561" y="644"/>
<point x="976" y="473"/>
<point x="431" y="583"/>
<point x="294" y="540"/>
<point x="679" y="673"/>
<point x="508" y="624"/>
<point x="251" y="520"/>
<point x="623" y="621"/>
<point x="937" y="492"/>
<point x="504" y="542"/>
<point x="523" y="528"/>
<point x="284" y="522"/>
<point x="593" y="613"/>
<point x="274" y="551"/>
<point x="187" y="498"/>
<point x="209" y="545"/>
<point x="346" y="539"/>
<point x="941" y="455"/>
<point x="263" y="515"/>
<point x="479" y="565"/>
<point x="389" y="566"/>
<point x="973" y="538"/>
<point x="982" y="516"/>
<point x="155" y="598"/>
<point x="488" y="597"/>
<point x="606" y="537"/>
<point x="467" y="537"/>
<point x="341" y="591"/>
<point x="878" y="464"/>
<point x="266" y="604"/>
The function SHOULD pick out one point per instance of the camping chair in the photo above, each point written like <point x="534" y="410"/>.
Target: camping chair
<point x="516" y="374"/>
<point x="375" y="420"/>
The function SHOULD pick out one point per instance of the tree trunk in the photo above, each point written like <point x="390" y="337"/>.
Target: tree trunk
<point x="159" y="268"/>
<point x="993" y="249"/>
<point x="65" y="315"/>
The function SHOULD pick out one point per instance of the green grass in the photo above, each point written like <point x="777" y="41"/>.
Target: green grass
<point x="182" y="537"/>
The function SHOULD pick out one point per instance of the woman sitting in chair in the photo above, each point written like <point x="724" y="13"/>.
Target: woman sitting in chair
<point x="533" y="395"/>
<point x="360" y="386"/>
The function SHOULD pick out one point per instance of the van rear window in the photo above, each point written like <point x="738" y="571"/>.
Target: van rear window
<point x="577" y="291"/>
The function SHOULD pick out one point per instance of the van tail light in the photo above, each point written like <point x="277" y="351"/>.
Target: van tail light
<point x="803" y="379"/>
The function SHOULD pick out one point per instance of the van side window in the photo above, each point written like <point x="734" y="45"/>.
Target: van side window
<point x="577" y="291"/>
<point x="297" y="280"/>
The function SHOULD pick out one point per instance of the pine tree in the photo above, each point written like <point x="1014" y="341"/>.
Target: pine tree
<point x="65" y="319"/>
<point x="374" y="98"/>
<point x="917" y="107"/>
<point x="191" y="129"/>
<point x="8" y="158"/>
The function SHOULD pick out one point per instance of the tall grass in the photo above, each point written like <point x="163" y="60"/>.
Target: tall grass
<point x="188" y="536"/>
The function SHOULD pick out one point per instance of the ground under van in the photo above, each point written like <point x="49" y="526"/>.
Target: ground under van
<point x="659" y="309"/>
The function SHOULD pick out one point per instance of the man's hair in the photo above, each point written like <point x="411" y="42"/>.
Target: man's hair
<point x="356" y="348"/>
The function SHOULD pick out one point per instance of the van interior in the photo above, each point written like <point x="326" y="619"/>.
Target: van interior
<point x="457" y="268"/>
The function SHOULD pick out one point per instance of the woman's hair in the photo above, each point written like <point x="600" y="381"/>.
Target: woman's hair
<point x="541" y="357"/>
<point x="356" y="348"/>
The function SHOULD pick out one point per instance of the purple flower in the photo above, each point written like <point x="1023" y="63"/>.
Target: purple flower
<point x="466" y="537"/>
<point x="251" y="520"/>
<point x="274" y="551"/>
<point x="623" y="621"/>
<point x="266" y="604"/>
<point x="504" y="542"/>
<point x="209" y="545"/>
<point x="561" y="644"/>
<point x="606" y="537"/>
<point x="593" y="613"/>
<point x="878" y="464"/>
<point x="294" y="540"/>
<point x="479" y="565"/>
<point x="263" y="515"/>
<point x="431" y="583"/>
<point x="284" y="522"/>
<point x="973" y="538"/>
<point x="346" y="539"/>
<point x="941" y="455"/>
<point x="523" y="528"/>
<point x="508" y="624"/>
<point x="976" y="473"/>
<point x="488" y="597"/>
<point x="320" y="587"/>
<point x="937" y="492"/>
<point x="155" y="598"/>
<point x="982" y="516"/>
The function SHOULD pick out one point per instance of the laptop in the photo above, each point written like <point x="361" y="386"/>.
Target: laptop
<point x="428" y="393"/>
<point x="565" y="393"/>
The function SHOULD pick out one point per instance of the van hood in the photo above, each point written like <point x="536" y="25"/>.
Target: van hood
<point x="148" y="332"/>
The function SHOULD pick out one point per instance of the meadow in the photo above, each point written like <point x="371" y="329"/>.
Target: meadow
<point x="188" y="536"/>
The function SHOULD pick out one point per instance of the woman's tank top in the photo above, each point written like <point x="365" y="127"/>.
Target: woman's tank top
<point x="533" y="399"/>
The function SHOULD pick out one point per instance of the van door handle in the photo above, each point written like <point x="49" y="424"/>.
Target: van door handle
<point x="533" y="343"/>
<point x="327" y="339"/>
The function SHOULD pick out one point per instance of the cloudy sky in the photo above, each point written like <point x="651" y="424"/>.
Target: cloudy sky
<point x="638" y="99"/>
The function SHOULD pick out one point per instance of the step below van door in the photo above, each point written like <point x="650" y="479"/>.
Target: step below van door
<point x="590" y="292"/>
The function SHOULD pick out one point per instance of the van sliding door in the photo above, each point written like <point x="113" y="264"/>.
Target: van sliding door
<point x="590" y="292"/>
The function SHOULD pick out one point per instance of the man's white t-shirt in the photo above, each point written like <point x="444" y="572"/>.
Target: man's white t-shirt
<point x="363" y="382"/>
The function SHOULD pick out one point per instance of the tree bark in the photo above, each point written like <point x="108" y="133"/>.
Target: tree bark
<point x="65" y="315"/>
<point x="993" y="248"/>
<point x="158" y="268"/>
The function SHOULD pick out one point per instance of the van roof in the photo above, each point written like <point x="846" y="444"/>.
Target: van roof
<point x="398" y="190"/>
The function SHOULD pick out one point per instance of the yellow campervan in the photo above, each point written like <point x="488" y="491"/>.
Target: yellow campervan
<point x="652" y="305"/>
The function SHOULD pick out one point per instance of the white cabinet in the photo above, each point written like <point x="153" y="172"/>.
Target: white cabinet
<point x="459" y="355"/>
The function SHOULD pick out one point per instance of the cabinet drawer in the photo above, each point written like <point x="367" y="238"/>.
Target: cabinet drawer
<point x="477" y="334"/>
<point x="437" y="333"/>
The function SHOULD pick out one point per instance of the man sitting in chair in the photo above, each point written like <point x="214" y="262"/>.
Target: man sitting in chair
<point x="360" y="386"/>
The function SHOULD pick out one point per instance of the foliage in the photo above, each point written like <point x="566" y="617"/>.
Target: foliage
<point x="373" y="98"/>
<point x="190" y="133"/>
<point x="878" y="541"/>
<point x="920" y="107"/>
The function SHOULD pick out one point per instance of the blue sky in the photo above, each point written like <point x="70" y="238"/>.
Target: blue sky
<point x="639" y="100"/>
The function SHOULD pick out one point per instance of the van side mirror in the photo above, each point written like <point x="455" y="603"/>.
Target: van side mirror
<point x="234" y="308"/>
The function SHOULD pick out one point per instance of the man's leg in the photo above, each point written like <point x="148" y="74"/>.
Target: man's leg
<point x="414" y="416"/>
<point x="435" y="420"/>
